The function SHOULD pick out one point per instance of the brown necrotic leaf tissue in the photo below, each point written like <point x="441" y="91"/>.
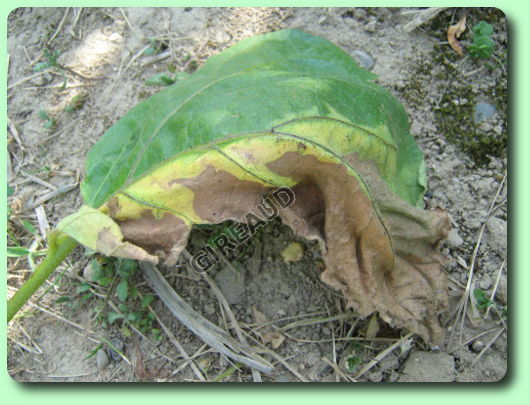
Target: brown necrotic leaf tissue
<point x="281" y="124"/>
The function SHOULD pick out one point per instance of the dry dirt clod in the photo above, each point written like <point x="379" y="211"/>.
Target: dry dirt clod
<point x="102" y="360"/>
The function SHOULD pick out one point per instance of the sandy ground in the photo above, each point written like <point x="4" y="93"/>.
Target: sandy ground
<point x="104" y="51"/>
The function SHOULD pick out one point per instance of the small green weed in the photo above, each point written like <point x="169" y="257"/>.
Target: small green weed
<point x="14" y="249"/>
<point x="51" y="62"/>
<point x="482" y="46"/>
<point x="354" y="359"/>
<point x="117" y="277"/>
<point x="75" y="103"/>
<point x="163" y="79"/>
<point x="483" y="303"/>
<point x="49" y="121"/>
<point x="155" y="48"/>
<point x="10" y="192"/>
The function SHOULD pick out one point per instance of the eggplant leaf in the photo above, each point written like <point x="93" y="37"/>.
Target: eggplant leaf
<point x="285" y="109"/>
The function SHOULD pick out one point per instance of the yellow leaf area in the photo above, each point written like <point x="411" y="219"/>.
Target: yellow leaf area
<point x="246" y="158"/>
<point x="166" y="190"/>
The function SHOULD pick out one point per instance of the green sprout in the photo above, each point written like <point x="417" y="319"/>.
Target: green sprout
<point x="482" y="46"/>
<point x="49" y="121"/>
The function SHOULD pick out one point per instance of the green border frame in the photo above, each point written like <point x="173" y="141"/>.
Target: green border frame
<point x="514" y="387"/>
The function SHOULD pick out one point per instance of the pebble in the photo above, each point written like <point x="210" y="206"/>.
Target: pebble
<point x="209" y="308"/>
<point x="231" y="283"/>
<point x="486" y="127"/>
<point x="390" y="362"/>
<point x="477" y="345"/>
<point x="483" y="111"/>
<point x="453" y="239"/>
<point x="485" y="282"/>
<point x="222" y="37"/>
<point x="415" y="128"/>
<point x="502" y="289"/>
<point x="364" y="59"/>
<point x="317" y="371"/>
<point x="102" y="360"/>
<point x="498" y="129"/>
<point x="473" y="223"/>
<point x="118" y="344"/>
<point x="376" y="376"/>
<point x="497" y="235"/>
<point x="42" y="79"/>
<point x="370" y="26"/>
<point x="439" y="195"/>
<point x="89" y="273"/>
<point x="281" y="313"/>
<point x="312" y="358"/>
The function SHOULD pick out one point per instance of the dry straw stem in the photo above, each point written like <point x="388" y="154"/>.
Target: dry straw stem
<point x="204" y="329"/>
<point x="401" y="342"/>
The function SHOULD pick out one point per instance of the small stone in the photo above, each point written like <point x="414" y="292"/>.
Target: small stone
<point x="376" y="376"/>
<point x="453" y="239"/>
<point x="415" y="128"/>
<point x="231" y="283"/>
<point x="486" y="127"/>
<point x="497" y="235"/>
<point x="394" y="376"/>
<point x="359" y="13"/>
<point x="439" y="195"/>
<point x="483" y="111"/>
<point x="485" y="282"/>
<point x="89" y="273"/>
<point x="477" y="345"/>
<point x="222" y="37"/>
<point x="473" y="223"/>
<point x="209" y="309"/>
<point x="429" y="367"/>
<point x="119" y="345"/>
<point x="102" y="360"/>
<point x="280" y="313"/>
<point x="364" y="59"/>
<point x="498" y="129"/>
<point x="485" y="185"/>
<point x="370" y="26"/>
<point x="42" y="79"/>
<point x="312" y="358"/>
<point x="390" y="362"/>
<point x="502" y="290"/>
<point x="317" y="371"/>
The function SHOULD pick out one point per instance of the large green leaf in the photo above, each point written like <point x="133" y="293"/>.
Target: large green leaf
<point x="281" y="111"/>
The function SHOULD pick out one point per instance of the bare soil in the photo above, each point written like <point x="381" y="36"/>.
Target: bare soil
<point x="105" y="66"/>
